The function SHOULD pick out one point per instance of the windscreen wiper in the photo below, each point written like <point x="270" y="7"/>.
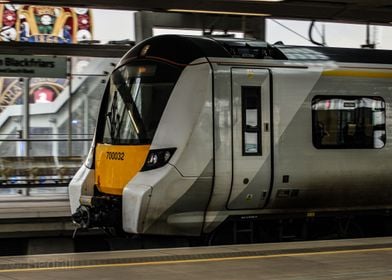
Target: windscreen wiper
<point x="111" y="118"/>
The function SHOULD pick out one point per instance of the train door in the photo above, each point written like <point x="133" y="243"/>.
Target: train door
<point x="251" y="138"/>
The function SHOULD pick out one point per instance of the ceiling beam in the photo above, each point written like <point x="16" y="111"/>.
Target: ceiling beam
<point x="356" y="11"/>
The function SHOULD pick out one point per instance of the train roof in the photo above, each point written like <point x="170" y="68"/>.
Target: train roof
<point x="185" y="49"/>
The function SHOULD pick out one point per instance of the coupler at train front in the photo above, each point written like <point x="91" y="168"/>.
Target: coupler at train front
<point x="99" y="211"/>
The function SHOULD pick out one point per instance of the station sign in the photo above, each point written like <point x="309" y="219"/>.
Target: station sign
<point x="33" y="66"/>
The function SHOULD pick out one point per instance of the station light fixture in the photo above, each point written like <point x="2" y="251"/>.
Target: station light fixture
<point x="218" y="12"/>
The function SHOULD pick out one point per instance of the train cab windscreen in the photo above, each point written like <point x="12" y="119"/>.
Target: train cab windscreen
<point x="138" y="94"/>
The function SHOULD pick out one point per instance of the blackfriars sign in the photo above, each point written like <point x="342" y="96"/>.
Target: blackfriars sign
<point x="33" y="66"/>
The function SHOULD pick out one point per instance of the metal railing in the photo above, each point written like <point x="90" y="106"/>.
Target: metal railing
<point x="38" y="171"/>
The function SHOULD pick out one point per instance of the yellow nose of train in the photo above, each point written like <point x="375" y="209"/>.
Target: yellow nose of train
<point x="116" y="165"/>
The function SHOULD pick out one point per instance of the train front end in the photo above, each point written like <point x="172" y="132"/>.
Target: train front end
<point x="134" y="100"/>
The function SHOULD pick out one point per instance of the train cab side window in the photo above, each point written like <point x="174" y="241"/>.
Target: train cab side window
<point x="251" y="120"/>
<point x="348" y="122"/>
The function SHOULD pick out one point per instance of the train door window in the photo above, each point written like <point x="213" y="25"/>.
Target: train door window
<point x="251" y="120"/>
<point x="348" y="122"/>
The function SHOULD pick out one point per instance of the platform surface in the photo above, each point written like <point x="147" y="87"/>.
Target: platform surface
<point x="338" y="259"/>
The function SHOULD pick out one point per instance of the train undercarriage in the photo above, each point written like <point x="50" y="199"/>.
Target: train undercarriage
<point x="105" y="212"/>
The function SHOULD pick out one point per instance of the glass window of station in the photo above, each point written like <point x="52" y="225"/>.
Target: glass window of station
<point x="348" y="122"/>
<point x="45" y="144"/>
<point x="47" y="122"/>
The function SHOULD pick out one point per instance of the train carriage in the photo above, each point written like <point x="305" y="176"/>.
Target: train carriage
<point x="195" y="131"/>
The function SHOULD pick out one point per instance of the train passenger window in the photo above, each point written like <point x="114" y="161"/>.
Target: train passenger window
<point x="348" y="122"/>
<point x="251" y="120"/>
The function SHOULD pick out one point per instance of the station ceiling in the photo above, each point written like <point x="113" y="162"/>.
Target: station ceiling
<point x="362" y="11"/>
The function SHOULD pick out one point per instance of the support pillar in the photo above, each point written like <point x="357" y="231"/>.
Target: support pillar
<point x="26" y="116"/>
<point x="144" y="24"/>
<point x="254" y="27"/>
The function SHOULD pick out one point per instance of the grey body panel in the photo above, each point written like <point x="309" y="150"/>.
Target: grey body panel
<point x="333" y="178"/>
<point x="305" y="179"/>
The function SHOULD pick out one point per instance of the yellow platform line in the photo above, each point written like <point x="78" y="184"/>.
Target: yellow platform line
<point x="196" y="260"/>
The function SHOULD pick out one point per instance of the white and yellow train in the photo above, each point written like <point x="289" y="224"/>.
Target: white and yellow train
<point x="195" y="131"/>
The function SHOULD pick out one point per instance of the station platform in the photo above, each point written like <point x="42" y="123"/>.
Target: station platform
<point x="35" y="214"/>
<point x="337" y="259"/>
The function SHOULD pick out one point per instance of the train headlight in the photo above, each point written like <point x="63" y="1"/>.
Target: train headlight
<point x="158" y="158"/>
<point x="152" y="159"/>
